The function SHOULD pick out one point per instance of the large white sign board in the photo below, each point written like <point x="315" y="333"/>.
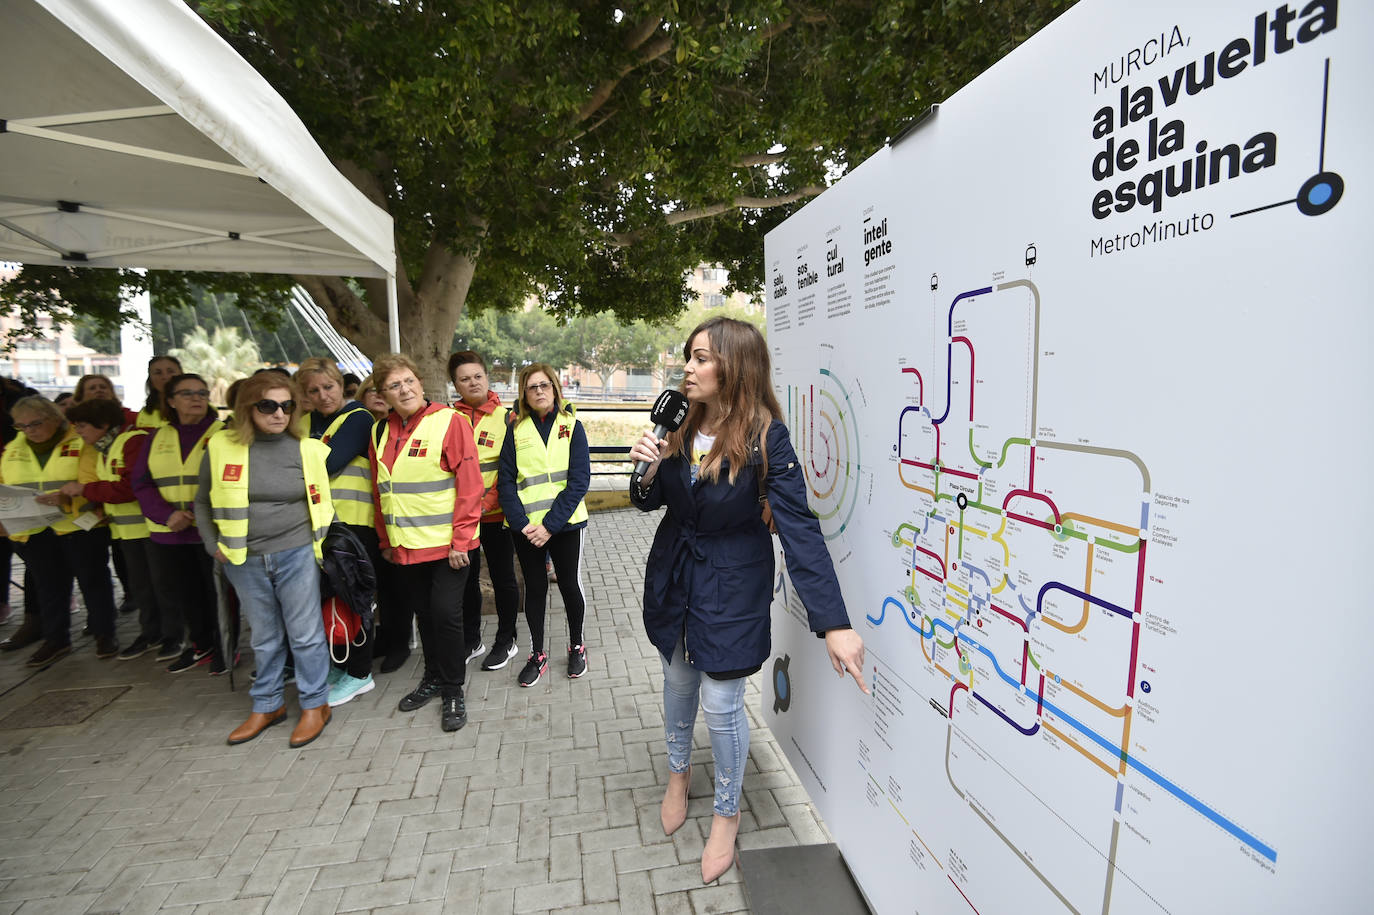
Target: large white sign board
<point x="1077" y="371"/>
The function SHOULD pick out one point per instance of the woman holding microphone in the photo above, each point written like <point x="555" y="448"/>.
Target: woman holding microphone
<point x="708" y="582"/>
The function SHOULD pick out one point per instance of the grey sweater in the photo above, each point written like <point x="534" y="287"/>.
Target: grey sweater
<point x="278" y="514"/>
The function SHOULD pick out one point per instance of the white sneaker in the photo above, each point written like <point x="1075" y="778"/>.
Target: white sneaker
<point x="478" y="651"/>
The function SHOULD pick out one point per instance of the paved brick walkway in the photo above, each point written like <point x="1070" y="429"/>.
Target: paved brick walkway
<point x="547" y="800"/>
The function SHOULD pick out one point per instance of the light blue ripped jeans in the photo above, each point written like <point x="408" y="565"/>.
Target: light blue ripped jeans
<point x="723" y="703"/>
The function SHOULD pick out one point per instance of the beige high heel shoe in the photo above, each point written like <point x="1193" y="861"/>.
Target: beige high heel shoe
<point x="719" y="853"/>
<point x="672" y="813"/>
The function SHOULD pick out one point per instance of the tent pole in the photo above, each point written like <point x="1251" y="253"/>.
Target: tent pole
<point x="393" y="319"/>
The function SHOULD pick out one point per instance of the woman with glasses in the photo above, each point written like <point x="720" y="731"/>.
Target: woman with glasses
<point x="343" y="425"/>
<point x="263" y="508"/>
<point x="44" y="457"/>
<point x="429" y="498"/>
<point x="708" y="584"/>
<point x="544" y="474"/>
<point x="160" y="370"/>
<point x="165" y="484"/>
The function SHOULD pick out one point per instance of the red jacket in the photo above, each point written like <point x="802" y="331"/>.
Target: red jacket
<point x="121" y="490"/>
<point x="459" y="457"/>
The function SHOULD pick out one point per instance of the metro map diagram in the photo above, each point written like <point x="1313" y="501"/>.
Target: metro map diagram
<point x="1024" y="561"/>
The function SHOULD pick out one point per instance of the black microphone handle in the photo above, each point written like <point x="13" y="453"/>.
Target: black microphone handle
<point x="642" y="467"/>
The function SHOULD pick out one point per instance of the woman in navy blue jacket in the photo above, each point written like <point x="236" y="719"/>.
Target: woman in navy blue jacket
<point x="708" y="584"/>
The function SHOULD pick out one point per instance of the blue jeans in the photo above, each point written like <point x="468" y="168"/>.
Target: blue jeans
<point x="723" y="703"/>
<point x="280" y="595"/>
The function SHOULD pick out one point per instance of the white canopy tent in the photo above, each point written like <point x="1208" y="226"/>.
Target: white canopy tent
<point x="131" y="135"/>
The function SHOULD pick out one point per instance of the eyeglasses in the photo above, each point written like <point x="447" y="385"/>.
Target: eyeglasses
<point x="395" y="386"/>
<point x="270" y="407"/>
<point x="198" y="394"/>
<point x="541" y="386"/>
<point x="26" y="427"/>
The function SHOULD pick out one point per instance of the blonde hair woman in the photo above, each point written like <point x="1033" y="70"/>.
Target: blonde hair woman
<point x="263" y="507"/>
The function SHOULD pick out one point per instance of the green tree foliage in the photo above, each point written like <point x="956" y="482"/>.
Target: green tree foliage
<point x="593" y="152"/>
<point x="606" y="345"/>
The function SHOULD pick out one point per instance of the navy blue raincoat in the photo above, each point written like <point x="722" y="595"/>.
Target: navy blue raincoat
<point x="710" y="571"/>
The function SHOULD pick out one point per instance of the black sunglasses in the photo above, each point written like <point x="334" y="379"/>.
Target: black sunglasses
<point x="268" y="407"/>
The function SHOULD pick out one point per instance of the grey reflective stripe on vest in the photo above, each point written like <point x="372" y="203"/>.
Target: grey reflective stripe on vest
<point x="229" y="514"/>
<point x="421" y="520"/>
<point x="320" y="532"/>
<point x="166" y="481"/>
<point x="489" y="465"/>
<point x="37" y="487"/>
<point x="235" y="543"/>
<point x="352" y="471"/>
<point x="539" y="479"/>
<point x="127" y="519"/>
<point x="428" y="486"/>
<point x="539" y="506"/>
<point x="352" y="495"/>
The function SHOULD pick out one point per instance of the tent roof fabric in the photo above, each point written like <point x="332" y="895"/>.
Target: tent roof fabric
<point x="131" y="135"/>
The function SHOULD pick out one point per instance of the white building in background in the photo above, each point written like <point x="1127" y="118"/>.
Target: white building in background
<point x="53" y="361"/>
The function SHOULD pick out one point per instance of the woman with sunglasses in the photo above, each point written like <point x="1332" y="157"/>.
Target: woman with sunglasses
<point x="343" y="425"/>
<point x="428" y="490"/>
<point x="544" y="474"/>
<point x="165" y="485"/>
<point x="263" y="508"/>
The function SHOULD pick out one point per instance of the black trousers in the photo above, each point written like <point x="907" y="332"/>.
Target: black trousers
<point x="500" y="550"/>
<point x="434" y="592"/>
<point x="139" y="587"/>
<point x="184" y="575"/>
<point x="55" y="562"/>
<point x="565" y="549"/>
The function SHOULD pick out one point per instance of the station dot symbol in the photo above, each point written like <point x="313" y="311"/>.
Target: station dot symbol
<point x="1145" y="686"/>
<point x="1320" y="193"/>
<point x="962" y="501"/>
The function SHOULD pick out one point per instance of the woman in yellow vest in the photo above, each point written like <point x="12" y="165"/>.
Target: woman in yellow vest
<point x="544" y="474"/>
<point x="263" y="508"/>
<point x="429" y="500"/>
<point x="44" y="457"/>
<point x="344" y="426"/>
<point x="490" y="422"/>
<point x="116" y="444"/>
<point x="165" y="485"/>
<point x="161" y="369"/>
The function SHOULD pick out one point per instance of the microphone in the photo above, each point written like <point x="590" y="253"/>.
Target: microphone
<point x="670" y="409"/>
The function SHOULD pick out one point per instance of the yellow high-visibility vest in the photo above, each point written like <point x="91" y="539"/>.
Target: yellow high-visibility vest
<point x="19" y="467"/>
<point x="352" y="485"/>
<point x="175" y="479"/>
<point x="417" y="495"/>
<point x="151" y="420"/>
<point x="229" y="493"/>
<point x="541" y="469"/>
<point x="126" y="518"/>
<point x="490" y="434"/>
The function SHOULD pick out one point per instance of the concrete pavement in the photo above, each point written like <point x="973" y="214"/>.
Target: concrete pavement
<point x="547" y="800"/>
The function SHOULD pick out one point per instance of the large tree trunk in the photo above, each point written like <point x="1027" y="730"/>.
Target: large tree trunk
<point x="428" y="315"/>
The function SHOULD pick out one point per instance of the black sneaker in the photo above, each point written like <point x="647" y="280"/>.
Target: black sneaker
<point x="49" y="652"/>
<point x="500" y="656"/>
<point x="454" y="714"/>
<point x="481" y="647"/>
<point x="217" y="666"/>
<point x="534" y="668"/>
<point x="190" y="657"/>
<point x="169" y="649"/>
<point x="137" y="648"/>
<point x="577" y="661"/>
<point x="106" y="646"/>
<point x="427" y="690"/>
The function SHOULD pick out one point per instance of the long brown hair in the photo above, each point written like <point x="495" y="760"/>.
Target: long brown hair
<point x="254" y="389"/>
<point x="746" y="403"/>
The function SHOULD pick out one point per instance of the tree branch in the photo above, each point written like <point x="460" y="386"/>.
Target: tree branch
<point x="625" y="239"/>
<point x="761" y="159"/>
<point x="602" y="93"/>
